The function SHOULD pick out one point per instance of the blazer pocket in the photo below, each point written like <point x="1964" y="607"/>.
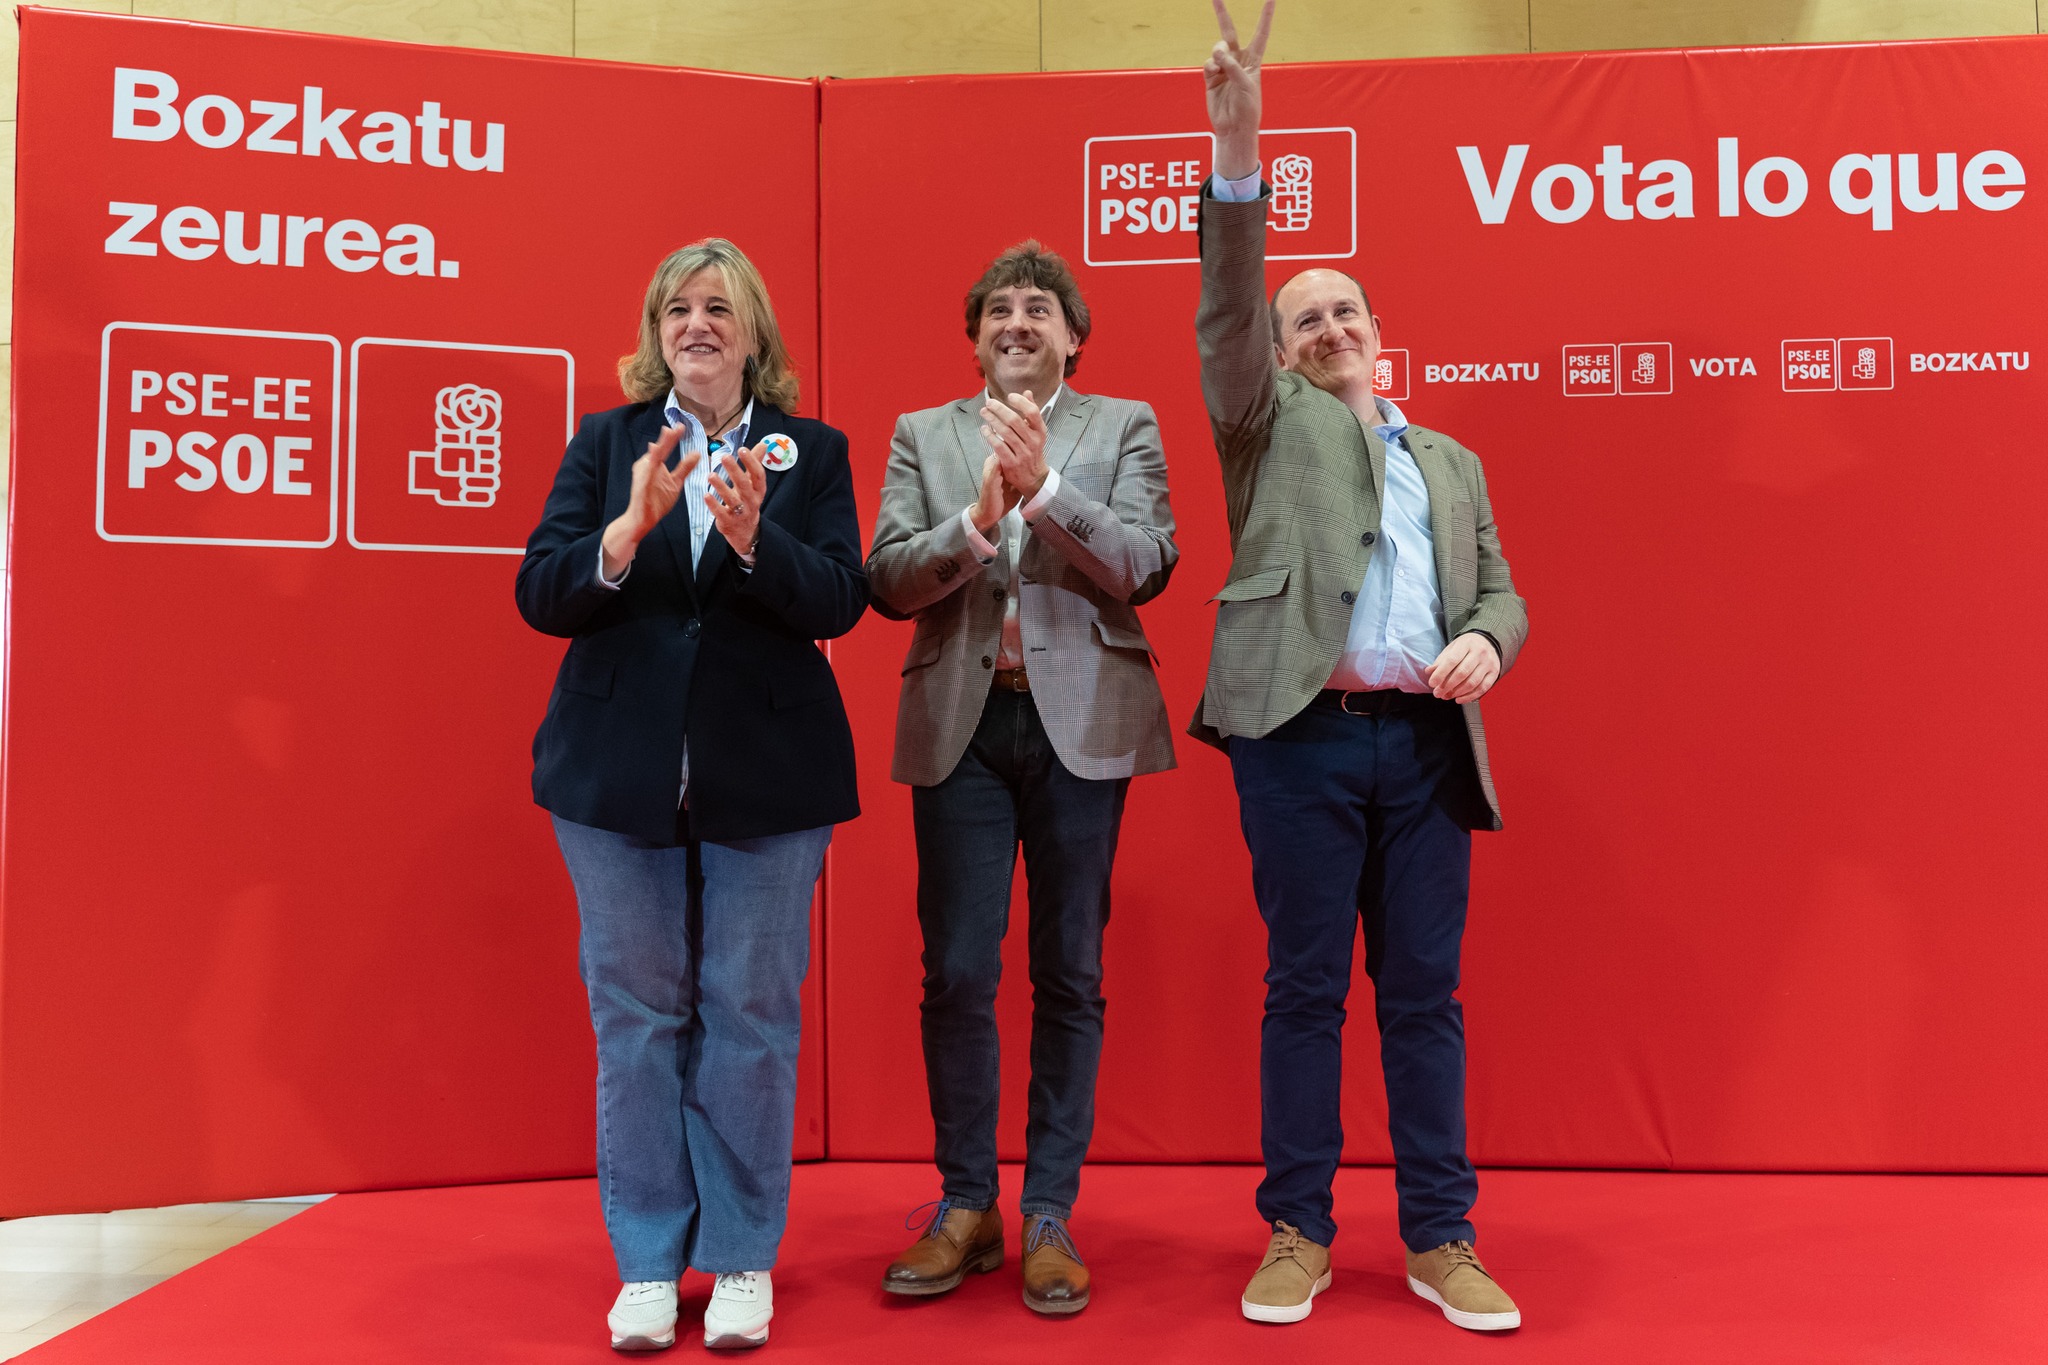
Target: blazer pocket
<point x="925" y="648"/>
<point x="1117" y="637"/>
<point x="1265" y="583"/>
<point x="587" y="676"/>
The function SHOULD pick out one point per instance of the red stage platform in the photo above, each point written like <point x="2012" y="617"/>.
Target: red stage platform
<point x="1624" y="1267"/>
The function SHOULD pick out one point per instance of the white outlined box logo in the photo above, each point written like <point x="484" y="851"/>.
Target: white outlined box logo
<point x="218" y="436"/>
<point x="1863" y="362"/>
<point x="1390" y="374"/>
<point x="1808" y="365"/>
<point x="1642" y="367"/>
<point x="1589" y="369"/>
<point x="453" y="446"/>
<point x="1141" y="195"/>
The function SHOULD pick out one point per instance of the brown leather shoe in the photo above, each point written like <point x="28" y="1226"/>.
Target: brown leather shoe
<point x="1055" y="1280"/>
<point x="1451" y="1277"/>
<point x="955" y="1242"/>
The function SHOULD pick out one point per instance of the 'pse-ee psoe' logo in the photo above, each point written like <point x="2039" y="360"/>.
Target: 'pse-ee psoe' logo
<point x="1143" y="194"/>
<point x="218" y="436"/>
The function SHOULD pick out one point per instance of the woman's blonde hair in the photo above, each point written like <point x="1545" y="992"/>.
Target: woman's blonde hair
<point x="770" y="377"/>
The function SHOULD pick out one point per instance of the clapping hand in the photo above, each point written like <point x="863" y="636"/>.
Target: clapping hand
<point x="735" y="499"/>
<point x="996" y="497"/>
<point x="1231" y="78"/>
<point x="656" y="487"/>
<point x="1015" y="432"/>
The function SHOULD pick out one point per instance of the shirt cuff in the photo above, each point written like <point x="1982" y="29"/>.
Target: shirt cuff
<point x="612" y="583"/>
<point x="976" y="541"/>
<point x="1045" y="494"/>
<point x="1234" y="191"/>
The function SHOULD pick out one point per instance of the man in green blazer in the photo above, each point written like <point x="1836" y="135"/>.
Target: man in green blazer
<point x="1367" y="611"/>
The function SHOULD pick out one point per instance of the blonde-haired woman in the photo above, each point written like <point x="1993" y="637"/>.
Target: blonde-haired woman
<point x="695" y="756"/>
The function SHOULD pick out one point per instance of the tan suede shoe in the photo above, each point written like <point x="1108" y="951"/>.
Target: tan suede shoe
<point x="1055" y="1280"/>
<point x="1294" y="1272"/>
<point x="957" y="1241"/>
<point x="1452" y="1278"/>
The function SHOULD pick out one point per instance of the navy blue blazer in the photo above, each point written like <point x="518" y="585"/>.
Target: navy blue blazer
<point x="723" y="656"/>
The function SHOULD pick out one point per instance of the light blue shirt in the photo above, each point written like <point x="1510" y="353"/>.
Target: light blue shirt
<point x="1397" y="619"/>
<point x="697" y="483"/>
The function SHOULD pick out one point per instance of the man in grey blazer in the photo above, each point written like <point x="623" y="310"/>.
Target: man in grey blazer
<point x="1020" y="528"/>
<point x="1367" y="610"/>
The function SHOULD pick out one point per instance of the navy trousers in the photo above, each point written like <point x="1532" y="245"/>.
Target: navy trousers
<point x="1010" y="787"/>
<point x="1362" y="822"/>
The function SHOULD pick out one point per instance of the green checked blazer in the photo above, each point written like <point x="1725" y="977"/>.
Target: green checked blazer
<point x="1303" y="482"/>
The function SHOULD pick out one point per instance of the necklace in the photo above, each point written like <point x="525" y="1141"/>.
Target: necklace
<point x="724" y="424"/>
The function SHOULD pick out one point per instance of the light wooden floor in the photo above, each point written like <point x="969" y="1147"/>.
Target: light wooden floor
<point x="57" y="1272"/>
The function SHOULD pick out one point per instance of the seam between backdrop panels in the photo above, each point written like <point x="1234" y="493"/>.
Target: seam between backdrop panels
<point x="823" y="965"/>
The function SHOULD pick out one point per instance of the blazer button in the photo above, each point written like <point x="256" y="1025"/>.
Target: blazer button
<point x="1000" y="594"/>
<point x="1349" y="599"/>
<point x="1367" y="539"/>
<point x="692" y="626"/>
<point x="987" y="662"/>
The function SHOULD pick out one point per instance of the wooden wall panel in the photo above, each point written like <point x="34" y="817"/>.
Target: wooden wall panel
<point x="7" y="228"/>
<point x="506" y="25"/>
<point x="814" y="37"/>
<point x="1083" y="35"/>
<point x="1588" y="25"/>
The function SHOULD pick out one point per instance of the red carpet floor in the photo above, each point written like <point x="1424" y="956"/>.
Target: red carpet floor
<point x="1607" y="1267"/>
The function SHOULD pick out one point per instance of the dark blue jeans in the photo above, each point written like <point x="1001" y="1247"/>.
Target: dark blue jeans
<point x="1362" y="820"/>
<point x="1011" y="786"/>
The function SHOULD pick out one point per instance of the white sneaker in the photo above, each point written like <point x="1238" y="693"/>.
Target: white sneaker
<point x="644" y="1318"/>
<point x="741" y="1305"/>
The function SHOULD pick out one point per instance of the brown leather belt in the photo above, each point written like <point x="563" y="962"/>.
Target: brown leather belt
<point x="1375" y="703"/>
<point x="1012" y="680"/>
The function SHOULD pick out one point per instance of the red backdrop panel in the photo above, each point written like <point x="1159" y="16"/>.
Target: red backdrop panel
<point x="1764" y="897"/>
<point x="279" y="914"/>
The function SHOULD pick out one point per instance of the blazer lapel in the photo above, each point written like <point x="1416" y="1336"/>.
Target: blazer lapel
<point x="973" y="450"/>
<point x="1444" y="494"/>
<point x="1376" y="462"/>
<point x="1069" y="419"/>
<point x="1376" y="454"/>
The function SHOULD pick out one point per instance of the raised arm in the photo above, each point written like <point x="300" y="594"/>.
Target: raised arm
<point x="1232" y="329"/>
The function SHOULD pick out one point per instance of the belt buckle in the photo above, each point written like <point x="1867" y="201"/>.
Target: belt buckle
<point x="1344" y="702"/>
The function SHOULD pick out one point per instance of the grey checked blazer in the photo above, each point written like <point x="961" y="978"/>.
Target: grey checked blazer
<point x="1303" y="483"/>
<point x="1102" y="545"/>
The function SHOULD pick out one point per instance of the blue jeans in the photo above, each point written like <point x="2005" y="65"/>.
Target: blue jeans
<point x="1362" y="821"/>
<point x="1011" y="786"/>
<point x="694" y="957"/>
